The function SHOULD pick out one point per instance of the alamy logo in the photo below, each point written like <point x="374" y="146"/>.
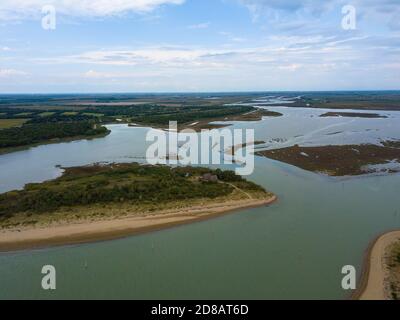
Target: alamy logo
<point x="349" y="280"/>
<point x="49" y="280"/>
<point x="188" y="147"/>
<point x="49" y="20"/>
<point x="349" y="21"/>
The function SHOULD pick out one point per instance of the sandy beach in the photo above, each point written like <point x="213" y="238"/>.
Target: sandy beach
<point x="375" y="269"/>
<point x="91" y="231"/>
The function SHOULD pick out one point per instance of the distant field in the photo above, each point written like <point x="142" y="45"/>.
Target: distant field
<point x="360" y="100"/>
<point x="9" y="123"/>
<point x="46" y="114"/>
<point x="23" y="114"/>
<point x="70" y="113"/>
<point x="93" y="114"/>
<point x="372" y="100"/>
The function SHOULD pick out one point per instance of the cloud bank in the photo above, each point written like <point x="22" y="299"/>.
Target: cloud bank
<point x="25" y="9"/>
<point x="281" y="11"/>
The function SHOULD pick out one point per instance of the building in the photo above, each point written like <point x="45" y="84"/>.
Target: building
<point x="208" y="177"/>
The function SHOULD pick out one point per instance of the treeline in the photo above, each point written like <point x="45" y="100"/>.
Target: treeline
<point x="146" y="114"/>
<point x="15" y="113"/>
<point x="35" y="133"/>
<point x="131" y="183"/>
<point x="43" y="125"/>
<point x="61" y="118"/>
<point x="186" y="114"/>
<point x="39" y="116"/>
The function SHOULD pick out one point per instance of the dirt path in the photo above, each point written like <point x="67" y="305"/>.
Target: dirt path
<point x="240" y="190"/>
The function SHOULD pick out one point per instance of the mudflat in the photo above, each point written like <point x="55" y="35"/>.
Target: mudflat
<point x="338" y="160"/>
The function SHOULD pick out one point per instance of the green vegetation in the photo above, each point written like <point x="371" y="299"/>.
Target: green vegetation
<point x="93" y="114"/>
<point x="391" y="143"/>
<point x="183" y="115"/>
<point x="46" y="114"/>
<point x="67" y="122"/>
<point x="70" y="113"/>
<point x="341" y="160"/>
<point x="148" y="114"/>
<point x="352" y="115"/>
<point x="9" y="123"/>
<point x="372" y="100"/>
<point x="34" y="133"/>
<point x="393" y="263"/>
<point x="121" y="183"/>
<point x="23" y="114"/>
<point x="58" y="118"/>
<point x="43" y="126"/>
<point x="159" y="110"/>
<point x="269" y="113"/>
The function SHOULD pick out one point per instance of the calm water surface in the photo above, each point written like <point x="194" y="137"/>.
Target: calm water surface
<point x="292" y="249"/>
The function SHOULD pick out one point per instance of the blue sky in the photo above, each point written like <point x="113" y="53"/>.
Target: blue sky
<point x="198" y="45"/>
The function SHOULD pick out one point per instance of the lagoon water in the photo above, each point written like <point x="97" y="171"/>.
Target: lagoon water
<point x="293" y="249"/>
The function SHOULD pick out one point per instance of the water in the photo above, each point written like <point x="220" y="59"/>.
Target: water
<point x="292" y="249"/>
<point x="124" y="144"/>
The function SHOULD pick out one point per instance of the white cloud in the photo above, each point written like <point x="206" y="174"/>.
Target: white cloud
<point x="291" y="67"/>
<point x="9" y="73"/>
<point x="299" y="52"/>
<point x="96" y="75"/>
<point x="290" y="13"/>
<point x="166" y="57"/>
<point x="239" y="39"/>
<point x="93" y="74"/>
<point x="21" y="9"/>
<point x="280" y="13"/>
<point x="293" y="56"/>
<point x="106" y="75"/>
<point x="232" y="37"/>
<point x="203" y="25"/>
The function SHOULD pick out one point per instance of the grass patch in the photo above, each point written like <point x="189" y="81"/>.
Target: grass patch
<point x="10" y="123"/>
<point x="46" y="114"/>
<point x="93" y="114"/>
<point x="70" y="113"/>
<point x="23" y="114"/>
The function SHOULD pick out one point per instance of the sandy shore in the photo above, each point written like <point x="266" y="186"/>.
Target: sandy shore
<point x="375" y="271"/>
<point x="82" y="232"/>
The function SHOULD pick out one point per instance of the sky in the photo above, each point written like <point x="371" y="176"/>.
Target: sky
<point x="198" y="45"/>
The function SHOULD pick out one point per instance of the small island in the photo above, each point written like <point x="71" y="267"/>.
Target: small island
<point x="99" y="202"/>
<point x="353" y="115"/>
<point x="341" y="160"/>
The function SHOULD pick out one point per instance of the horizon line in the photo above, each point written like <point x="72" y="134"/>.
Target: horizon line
<point x="195" y="92"/>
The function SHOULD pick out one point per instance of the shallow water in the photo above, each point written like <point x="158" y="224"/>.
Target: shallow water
<point x="292" y="249"/>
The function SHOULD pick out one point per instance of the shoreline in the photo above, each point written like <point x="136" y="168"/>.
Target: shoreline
<point x="204" y="124"/>
<point x="372" y="279"/>
<point x="8" y="150"/>
<point x="102" y="230"/>
<point x="340" y="160"/>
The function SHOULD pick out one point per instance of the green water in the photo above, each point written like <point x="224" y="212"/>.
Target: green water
<point x="294" y="249"/>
